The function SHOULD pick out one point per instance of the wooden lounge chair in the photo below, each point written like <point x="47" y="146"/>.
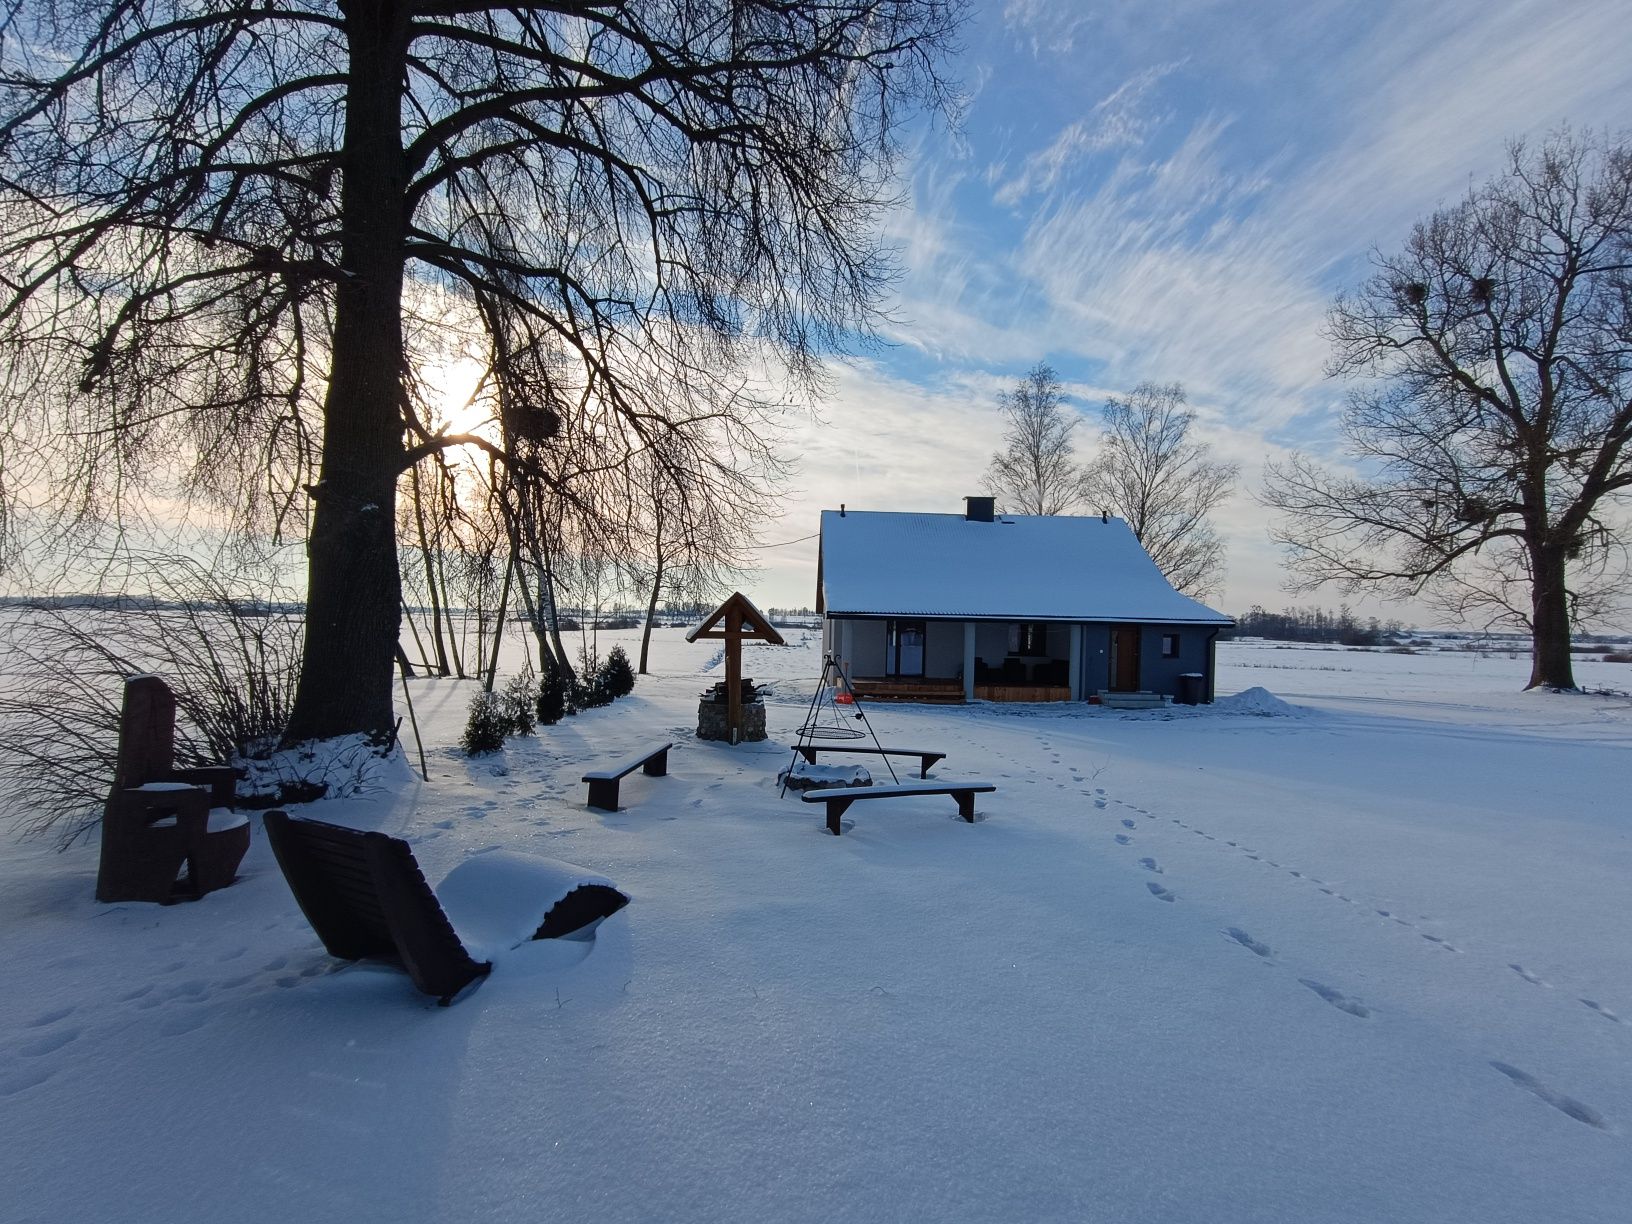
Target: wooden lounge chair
<point x="366" y="897"/>
<point x="168" y="834"/>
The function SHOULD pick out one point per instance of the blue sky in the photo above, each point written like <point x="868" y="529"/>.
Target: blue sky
<point x="1174" y="190"/>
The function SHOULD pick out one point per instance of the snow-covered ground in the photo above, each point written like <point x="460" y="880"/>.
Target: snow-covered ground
<point x="1358" y="951"/>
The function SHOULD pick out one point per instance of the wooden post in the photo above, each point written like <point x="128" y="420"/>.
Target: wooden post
<point x="733" y="672"/>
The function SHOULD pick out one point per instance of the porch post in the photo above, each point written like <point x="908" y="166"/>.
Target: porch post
<point x="1076" y="662"/>
<point x="968" y="660"/>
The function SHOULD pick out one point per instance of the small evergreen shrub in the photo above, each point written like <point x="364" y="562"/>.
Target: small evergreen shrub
<point x="517" y="700"/>
<point x="590" y="696"/>
<point x="616" y="676"/>
<point x="487" y="726"/>
<point x="552" y="698"/>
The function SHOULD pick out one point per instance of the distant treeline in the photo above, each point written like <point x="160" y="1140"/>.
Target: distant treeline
<point x="1314" y="625"/>
<point x="146" y="603"/>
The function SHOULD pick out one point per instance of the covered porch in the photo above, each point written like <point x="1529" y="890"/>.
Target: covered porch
<point x="943" y="660"/>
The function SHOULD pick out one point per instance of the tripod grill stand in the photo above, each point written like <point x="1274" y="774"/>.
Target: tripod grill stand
<point x="826" y="721"/>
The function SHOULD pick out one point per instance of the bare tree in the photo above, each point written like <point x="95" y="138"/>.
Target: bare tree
<point x="1036" y="472"/>
<point x="232" y="230"/>
<point x="1150" y="472"/>
<point x="1495" y="448"/>
<point x="693" y="535"/>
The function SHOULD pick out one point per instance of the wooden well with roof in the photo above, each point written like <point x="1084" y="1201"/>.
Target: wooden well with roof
<point x="736" y="621"/>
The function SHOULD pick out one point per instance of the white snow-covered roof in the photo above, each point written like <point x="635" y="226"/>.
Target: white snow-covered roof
<point x="1018" y="567"/>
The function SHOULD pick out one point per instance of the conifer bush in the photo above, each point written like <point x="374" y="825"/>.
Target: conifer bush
<point x="488" y="724"/>
<point x="616" y="676"/>
<point x="552" y="698"/>
<point x="517" y="702"/>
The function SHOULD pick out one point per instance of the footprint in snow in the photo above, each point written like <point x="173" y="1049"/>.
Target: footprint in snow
<point x="1122" y="839"/>
<point x="1160" y="893"/>
<point x="1127" y="824"/>
<point x="1560" y="1102"/>
<point x="50" y="1017"/>
<point x="48" y="1044"/>
<point x="1337" y="998"/>
<point x="1248" y="942"/>
<point x="1527" y="975"/>
<point x="1099" y="803"/>
<point x="1602" y="1010"/>
<point x="12" y="1083"/>
<point x="1150" y="864"/>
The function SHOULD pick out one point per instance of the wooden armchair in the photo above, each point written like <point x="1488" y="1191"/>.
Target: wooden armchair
<point x="168" y="834"/>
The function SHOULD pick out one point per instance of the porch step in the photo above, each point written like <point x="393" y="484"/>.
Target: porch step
<point x="1131" y="701"/>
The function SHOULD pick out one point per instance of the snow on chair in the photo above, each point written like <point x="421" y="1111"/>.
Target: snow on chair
<point x="366" y="898"/>
<point x="168" y="834"/>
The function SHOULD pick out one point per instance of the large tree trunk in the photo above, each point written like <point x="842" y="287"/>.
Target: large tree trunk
<point x="1551" y="665"/>
<point x="354" y="590"/>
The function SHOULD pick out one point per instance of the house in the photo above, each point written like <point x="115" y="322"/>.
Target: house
<point x="1005" y="608"/>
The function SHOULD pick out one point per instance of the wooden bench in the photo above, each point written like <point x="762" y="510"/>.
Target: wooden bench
<point x="839" y="799"/>
<point x="925" y="757"/>
<point x="603" y="783"/>
<point x="366" y="897"/>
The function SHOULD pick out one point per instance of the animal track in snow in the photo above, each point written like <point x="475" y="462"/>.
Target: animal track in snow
<point x="1435" y="939"/>
<point x="1249" y="943"/>
<point x="1099" y="803"/>
<point x="20" y="1081"/>
<point x="1149" y="864"/>
<point x="48" y="1044"/>
<point x="1526" y="975"/>
<point x="1560" y="1102"/>
<point x="1122" y="839"/>
<point x="1127" y="824"/>
<point x="1160" y="893"/>
<point x="176" y="1026"/>
<point x="50" y="1017"/>
<point x="1337" y="998"/>
<point x="1602" y="1010"/>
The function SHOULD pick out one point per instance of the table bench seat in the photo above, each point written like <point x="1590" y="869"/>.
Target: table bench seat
<point x="926" y="757"/>
<point x="841" y="798"/>
<point x="603" y="783"/>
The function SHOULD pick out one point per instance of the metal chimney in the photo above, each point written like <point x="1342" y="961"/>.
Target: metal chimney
<point x="979" y="509"/>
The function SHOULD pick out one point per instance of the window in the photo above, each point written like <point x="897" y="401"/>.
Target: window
<point x="1028" y="638"/>
<point x="1170" y="645"/>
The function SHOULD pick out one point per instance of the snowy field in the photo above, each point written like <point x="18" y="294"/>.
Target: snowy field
<point x="1364" y="956"/>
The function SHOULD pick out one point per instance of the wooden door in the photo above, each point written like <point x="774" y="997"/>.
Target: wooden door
<point x="1125" y="659"/>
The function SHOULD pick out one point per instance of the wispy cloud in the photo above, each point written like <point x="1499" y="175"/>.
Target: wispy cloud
<point x="1120" y="120"/>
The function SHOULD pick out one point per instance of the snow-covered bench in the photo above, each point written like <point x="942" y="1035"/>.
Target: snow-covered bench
<point x="603" y="783"/>
<point x="926" y="758"/>
<point x="366" y="897"/>
<point x="839" y="799"/>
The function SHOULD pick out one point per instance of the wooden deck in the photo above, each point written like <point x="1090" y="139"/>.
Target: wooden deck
<point x="1022" y="692"/>
<point x="893" y="688"/>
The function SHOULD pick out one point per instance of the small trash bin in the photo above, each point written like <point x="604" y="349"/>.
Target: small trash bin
<point x="1191" y="688"/>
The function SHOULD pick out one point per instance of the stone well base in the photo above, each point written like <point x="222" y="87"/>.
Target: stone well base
<point x="712" y="716"/>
